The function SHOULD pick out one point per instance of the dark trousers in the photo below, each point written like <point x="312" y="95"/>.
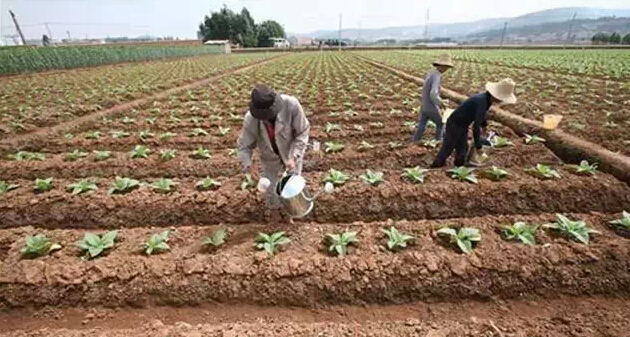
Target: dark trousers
<point x="456" y="138"/>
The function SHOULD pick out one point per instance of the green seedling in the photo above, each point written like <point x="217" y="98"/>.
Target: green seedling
<point x="533" y="139"/>
<point x="120" y="134"/>
<point x="234" y="117"/>
<point x="586" y="168"/>
<point x="92" y="135"/>
<point x="167" y="154"/>
<point x="415" y="174"/>
<point x="94" y="245"/>
<point x="156" y="243"/>
<point x="365" y="146"/>
<point x="377" y="125"/>
<point x="410" y="125"/>
<point x="337" y="178"/>
<point x="82" y="187"/>
<point x="624" y="222"/>
<point x="357" y="127"/>
<point x="270" y="243"/>
<point x="146" y="134"/>
<point x="545" y="172"/>
<point x="233" y="152"/>
<point x="140" y="151"/>
<point x="151" y="120"/>
<point x="74" y="155"/>
<point x="431" y="144"/>
<point x="173" y="120"/>
<point x="338" y="243"/>
<point x="126" y="120"/>
<point x="166" y="136"/>
<point x="217" y="239"/>
<point x="333" y="114"/>
<point x="208" y="184"/>
<point x="200" y="153"/>
<point x="397" y="240"/>
<point x="496" y="173"/>
<point x="464" y="238"/>
<point x="330" y="127"/>
<point x="43" y="185"/>
<point x="39" y="245"/>
<point x="6" y="187"/>
<point x="372" y="178"/>
<point x="123" y="185"/>
<point x="395" y="145"/>
<point x="248" y="183"/>
<point x="521" y="231"/>
<point x="163" y="185"/>
<point x="577" y="230"/>
<point x="332" y="147"/>
<point x="223" y="131"/>
<point x="26" y="156"/>
<point x="501" y="142"/>
<point x="101" y="155"/>
<point x="463" y="173"/>
<point x="197" y="132"/>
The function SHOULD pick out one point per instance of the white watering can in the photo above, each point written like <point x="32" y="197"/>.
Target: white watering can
<point x="293" y="194"/>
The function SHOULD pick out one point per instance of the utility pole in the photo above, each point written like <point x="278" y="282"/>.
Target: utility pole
<point x="48" y="30"/>
<point x="339" y="31"/>
<point x="69" y="37"/>
<point x="503" y="35"/>
<point x="569" y="37"/>
<point x="426" y="26"/>
<point x="17" y="27"/>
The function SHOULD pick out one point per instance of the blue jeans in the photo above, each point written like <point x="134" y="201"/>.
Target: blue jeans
<point x="425" y="116"/>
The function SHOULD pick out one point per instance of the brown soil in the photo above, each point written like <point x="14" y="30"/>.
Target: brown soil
<point x="303" y="274"/>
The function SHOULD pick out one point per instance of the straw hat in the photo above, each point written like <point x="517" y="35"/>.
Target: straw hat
<point x="444" y="60"/>
<point x="502" y="90"/>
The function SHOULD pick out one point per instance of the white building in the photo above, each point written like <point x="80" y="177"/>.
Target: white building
<point x="279" y="42"/>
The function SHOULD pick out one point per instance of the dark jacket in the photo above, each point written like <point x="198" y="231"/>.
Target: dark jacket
<point x="473" y="111"/>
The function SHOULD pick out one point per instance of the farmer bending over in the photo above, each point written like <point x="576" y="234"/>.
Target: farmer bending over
<point x="472" y="111"/>
<point x="431" y="102"/>
<point x="276" y="124"/>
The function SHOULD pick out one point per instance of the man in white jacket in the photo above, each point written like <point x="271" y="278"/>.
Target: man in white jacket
<point x="277" y="125"/>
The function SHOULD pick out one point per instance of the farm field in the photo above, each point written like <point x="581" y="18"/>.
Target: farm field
<point x="590" y="89"/>
<point x="178" y="151"/>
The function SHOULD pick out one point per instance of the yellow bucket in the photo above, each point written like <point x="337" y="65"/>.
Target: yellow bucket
<point x="447" y="113"/>
<point x="551" y="122"/>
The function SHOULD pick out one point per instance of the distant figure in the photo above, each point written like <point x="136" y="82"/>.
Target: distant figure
<point x="431" y="102"/>
<point x="472" y="111"/>
<point x="45" y="40"/>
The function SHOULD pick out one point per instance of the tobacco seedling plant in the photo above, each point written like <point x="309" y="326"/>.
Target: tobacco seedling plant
<point x="166" y="136"/>
<point x="146" y="134"/>
<point x="496" y="173"/>
<point x="92" y="135"/>
<point x="101" y="155"/>
<point x="431" y="144"/>
<point x="208" y="184"/>
<point x="140" y="151"/>
<point x="26" y="156"/>
<point x="365" y="146"/>
<point x="196" y="132"/>
<point x="223" y="131"/>
<point x="624" y="222"/>
<point x="163" y="185"/>
<point x="521" y="231"/>
<point x="123" y="185"/>
<point x="39" y="245"/>
<point x="501" y="142"/>
<point x="6" y="187"/>
<point x="156" y="243"/>
<point x="94" y="245"/>
<point x="337" y="178"/>
<point x="270" y="243"/>
<point x="577" y="230"/>
<point x="372" y="178"/>
<point x="332" y="147"/>
<point x="586" y="168"/>
<point x="332" y="127"/>
<point x="545" y="172"/>
<point x="396" y="239"/>
<point x="533" y="139"/>
<point x="415" y="174"/>
<point x="43" y="185"/>
<point x="200" y="153"/>
<point x="120" y="134"/>
<point x="464" y="238"/>
<point x="217" y="239"/>
<point x="82" y="187"/>
<point x="395" y="145"/>
<point x="74" y="155"/>
<point x="338" y="243"/>
<point x="463" y="173"/>
<point x="248" y="183"/>
<point x="167" y="154"/>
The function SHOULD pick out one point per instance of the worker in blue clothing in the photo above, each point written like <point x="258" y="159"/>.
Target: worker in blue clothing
<point x="472" y="111"/>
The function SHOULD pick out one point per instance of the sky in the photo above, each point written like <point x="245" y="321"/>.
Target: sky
<point x="181" y="18"/>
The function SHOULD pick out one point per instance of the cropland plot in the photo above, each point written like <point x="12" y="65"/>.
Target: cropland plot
<point x="37" y="100"/>
<point x="593" y="108"/>
<point x="523" y="287"/>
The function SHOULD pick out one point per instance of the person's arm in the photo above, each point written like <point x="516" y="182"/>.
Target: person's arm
<point x="480" y="121"/>
<point x="247" y="141"/>
<point x="436" y="83"/>
<point x="301" y="129"/>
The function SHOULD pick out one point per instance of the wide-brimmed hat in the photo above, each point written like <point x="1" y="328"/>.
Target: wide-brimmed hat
<point x="265" y="103"/>
<point x="502" y="90"/>
<point x="444" y="60"/>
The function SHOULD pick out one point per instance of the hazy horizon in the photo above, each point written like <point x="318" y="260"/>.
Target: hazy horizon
<point x="103" y="18"/>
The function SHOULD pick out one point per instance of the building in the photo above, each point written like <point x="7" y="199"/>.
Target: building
<point x="225" y="43"/>
<point x="279" y="42"/>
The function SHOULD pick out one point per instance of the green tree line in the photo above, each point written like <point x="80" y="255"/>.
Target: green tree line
<point x="614" y="38"/>
<point x="239" y="28"/>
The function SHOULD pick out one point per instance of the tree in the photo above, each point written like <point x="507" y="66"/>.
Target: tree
<point x="246" y="29"/>
<point x="267" y="30"/>
<point x="626" y="39"/>
<point x="600" y="38"/>
<point x="615" y="38"/>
